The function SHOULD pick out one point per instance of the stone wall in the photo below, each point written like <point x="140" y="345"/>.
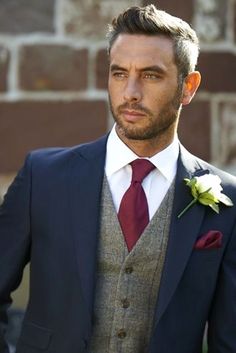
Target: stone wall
<point x="53" y="76"/>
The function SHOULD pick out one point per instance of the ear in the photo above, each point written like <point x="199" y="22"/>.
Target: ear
<point x="190" y="86"/>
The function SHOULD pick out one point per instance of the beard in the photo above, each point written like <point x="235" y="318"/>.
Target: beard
<point x="155" y="124"/>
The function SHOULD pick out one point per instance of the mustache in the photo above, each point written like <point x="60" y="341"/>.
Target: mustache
<point x="133" y="106"/>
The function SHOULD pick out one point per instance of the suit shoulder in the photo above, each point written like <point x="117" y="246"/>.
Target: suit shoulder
<point x="48" y="156"/>
<point x="63" y="154"/>
<point x="199" y="165"/>
<point x="50" y="153"/>
<point x="228" y="181"/>
<point x="225" y="176"/>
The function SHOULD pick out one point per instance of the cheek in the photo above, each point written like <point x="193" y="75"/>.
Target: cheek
<point x="115" y="94"/>
<point x="160" y="99"/>
<point x="153" y="100"/>
<point x="109" y="86"/>
<point x="112" y="89"/>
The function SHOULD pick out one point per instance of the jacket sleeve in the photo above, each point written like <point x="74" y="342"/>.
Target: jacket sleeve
<point x="222" y="322"/>
<point x="14" y="241"/>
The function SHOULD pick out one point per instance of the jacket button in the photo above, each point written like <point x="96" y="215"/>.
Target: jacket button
<point x="121" y="333"/>
<point x="129" y="269"/>
<point x="125" y="303"/>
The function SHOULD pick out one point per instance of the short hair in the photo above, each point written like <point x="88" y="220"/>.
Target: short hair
<point x="148" y="20"/>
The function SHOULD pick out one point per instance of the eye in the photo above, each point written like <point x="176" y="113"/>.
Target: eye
<point x="120" y="75"/>
<point x="151" y="76"/>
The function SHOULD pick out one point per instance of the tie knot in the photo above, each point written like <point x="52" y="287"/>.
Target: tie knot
<point x="140" y="169"/>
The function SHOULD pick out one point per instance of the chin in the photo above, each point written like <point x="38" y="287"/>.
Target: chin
<point x="135" y="133"/>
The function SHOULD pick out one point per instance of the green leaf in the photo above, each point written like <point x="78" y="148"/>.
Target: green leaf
<point x="206" y="199"/>
<point x="215" y="207"/>
<point x="186" y="180"/>
<point x="190" y="182"/>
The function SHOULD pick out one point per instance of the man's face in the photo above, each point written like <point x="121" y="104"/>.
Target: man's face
<point x="143" y="87"/>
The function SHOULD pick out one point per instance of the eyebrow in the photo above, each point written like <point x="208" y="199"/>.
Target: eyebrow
<point x="115" y="67"/>
<point x="153" y="68"/>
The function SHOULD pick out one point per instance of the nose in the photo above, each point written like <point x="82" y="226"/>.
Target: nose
<point x="132" y="91"/>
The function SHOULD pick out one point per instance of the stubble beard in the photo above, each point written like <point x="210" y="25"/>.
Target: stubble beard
<point x="154" y="126"/>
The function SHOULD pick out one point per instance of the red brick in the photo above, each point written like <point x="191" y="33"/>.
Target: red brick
<point x="218" y="72"/>
<point x="181" y="8"/>
<point x="29" y="125"/>
<point x="53" y="67"/>
<point x="102" y="69"/>
<point x="194" y="129"/>
<point x="24" y="16"/>
<point x="4" y="63"/>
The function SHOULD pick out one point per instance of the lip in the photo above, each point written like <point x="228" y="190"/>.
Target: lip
<point x="132" y="115"/>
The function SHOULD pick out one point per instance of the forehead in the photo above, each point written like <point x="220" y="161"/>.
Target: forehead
<point x="142" y="50"/>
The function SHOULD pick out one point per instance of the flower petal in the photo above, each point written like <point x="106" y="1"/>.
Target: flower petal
<point x="209" y="181"/>
<point x="225" y="200"/>
<point x="206" y="190"/>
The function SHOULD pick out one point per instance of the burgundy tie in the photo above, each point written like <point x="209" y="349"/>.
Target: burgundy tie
<point x="133" y="212"/>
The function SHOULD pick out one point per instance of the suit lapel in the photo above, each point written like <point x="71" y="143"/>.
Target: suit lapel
<point x="85" y="185"/>
<point x="183" y="232"/>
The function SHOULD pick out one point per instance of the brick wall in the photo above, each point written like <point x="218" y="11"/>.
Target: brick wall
<point x="53" y="74"/>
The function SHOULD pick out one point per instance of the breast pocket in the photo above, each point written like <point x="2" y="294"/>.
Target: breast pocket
<point x="207" y="255"/>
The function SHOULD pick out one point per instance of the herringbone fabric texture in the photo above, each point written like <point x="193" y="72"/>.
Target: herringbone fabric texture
<point x="127" y="283"/>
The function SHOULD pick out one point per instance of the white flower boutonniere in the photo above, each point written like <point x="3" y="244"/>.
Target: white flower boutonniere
<point x="206" y="189"/>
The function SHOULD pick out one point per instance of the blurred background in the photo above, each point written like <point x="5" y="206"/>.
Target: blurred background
<point x="53" y="79"/>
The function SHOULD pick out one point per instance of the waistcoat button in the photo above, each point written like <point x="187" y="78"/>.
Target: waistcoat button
<point x="129" y="269"/>
<point x="121" y="333"/>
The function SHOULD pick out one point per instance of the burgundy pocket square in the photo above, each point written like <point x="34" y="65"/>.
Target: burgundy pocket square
<point x="210" y="240"/>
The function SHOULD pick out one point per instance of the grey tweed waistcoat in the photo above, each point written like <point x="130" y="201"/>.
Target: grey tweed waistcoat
<point x="127" y="284"/>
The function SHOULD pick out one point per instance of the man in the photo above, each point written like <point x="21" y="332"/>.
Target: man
<point x="138" y="268"/>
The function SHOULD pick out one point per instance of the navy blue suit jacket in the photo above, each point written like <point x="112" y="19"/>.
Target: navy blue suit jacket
<point x="50" y="217"/>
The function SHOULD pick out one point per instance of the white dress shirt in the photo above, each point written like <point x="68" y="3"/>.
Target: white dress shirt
<point x="119" y="172"/>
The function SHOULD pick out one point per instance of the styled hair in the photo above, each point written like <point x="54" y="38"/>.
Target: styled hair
<point x="150" y="21"/>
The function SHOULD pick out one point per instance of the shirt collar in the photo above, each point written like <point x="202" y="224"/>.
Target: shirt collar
<point x="118" y="155"/>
